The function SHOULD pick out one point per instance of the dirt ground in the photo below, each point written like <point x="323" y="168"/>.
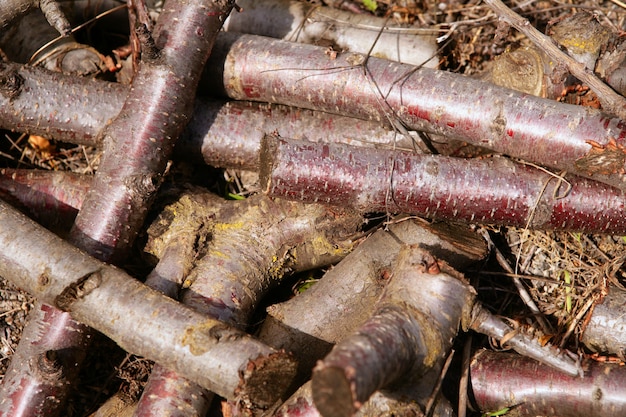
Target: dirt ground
<point x="560" y="270"/>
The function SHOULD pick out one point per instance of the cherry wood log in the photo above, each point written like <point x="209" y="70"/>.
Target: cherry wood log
<point x="486" y="191"/>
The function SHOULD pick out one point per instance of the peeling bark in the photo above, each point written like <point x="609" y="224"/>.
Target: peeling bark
<point x="530" y="128"/>
<point x="500" y="380"/>
<point x="487" y="191"/>
<point x="142" y="321"/>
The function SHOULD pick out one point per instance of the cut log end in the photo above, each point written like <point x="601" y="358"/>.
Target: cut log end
<point x="332" y="394"/>
<point x="267" y="378"/>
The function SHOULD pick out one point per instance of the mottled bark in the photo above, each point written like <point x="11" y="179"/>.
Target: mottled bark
<point x="530" y="128"/>
<point x="142" y="321"/>
<point x="309" y="324"/>
<point x="500" y="380"/>
<point x="242" y="253"/>
<point x="486" y="191"/>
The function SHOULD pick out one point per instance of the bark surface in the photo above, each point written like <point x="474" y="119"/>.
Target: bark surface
<point x="140" y="320"/>
<point x="500" y="380"/>
<point x="530" y="128"/>
<point x="487" y="191"/>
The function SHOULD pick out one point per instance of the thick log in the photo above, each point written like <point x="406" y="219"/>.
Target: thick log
<point x="533" y="129"/>
<point x="492" y="190"/>
<point x="309" y="324"/>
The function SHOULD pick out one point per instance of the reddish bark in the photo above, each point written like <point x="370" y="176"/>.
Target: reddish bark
<point x="493" y="190"/>
<point x="222" y="134"/>
<point x="500" y="380"/>
<point x="51" y="363"/>
<point x="142" y="321"/>
<point x="138" y="144"/>
<point x="526" y="127"/>
<point x="53" y="198"/>
<point x="412" y="330"/>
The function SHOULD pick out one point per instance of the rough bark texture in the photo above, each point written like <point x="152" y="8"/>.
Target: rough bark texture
<point x="242" y="250"/>
<point x="140" y="320"/>
<point x="530" y="128"/>
<point x="417" y="319"/>
<point x="492" y="190"/>
<point x="347" y="294"/>
<point x="255" y="243"/>
<point x="500" y="380"/>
